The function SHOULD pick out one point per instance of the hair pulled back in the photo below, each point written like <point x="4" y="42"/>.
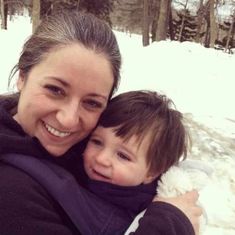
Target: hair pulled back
<point x="68" y="27"/>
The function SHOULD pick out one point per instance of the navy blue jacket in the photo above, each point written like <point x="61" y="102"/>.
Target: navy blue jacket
<point x="110" y="209"/>
<point x="44" y="202"/>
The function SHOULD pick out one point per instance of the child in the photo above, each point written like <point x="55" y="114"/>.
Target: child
<point x="139" y="136"/>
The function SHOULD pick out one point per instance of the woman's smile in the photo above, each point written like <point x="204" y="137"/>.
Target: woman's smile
<point x="73" y="100"/>
<point x="56" y="132"/>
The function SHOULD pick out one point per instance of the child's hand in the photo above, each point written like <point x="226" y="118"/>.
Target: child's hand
<point x="187" y="203"/>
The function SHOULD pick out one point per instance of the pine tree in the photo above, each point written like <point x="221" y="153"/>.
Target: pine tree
<point x="185" y="26"/>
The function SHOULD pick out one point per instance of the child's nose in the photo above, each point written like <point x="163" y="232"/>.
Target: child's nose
<point x="104" y="158"/>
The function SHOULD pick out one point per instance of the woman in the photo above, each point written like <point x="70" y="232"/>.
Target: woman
<point x="68" y="70"/>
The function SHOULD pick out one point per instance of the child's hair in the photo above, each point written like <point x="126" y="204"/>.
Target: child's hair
<point x="138" y="113"/>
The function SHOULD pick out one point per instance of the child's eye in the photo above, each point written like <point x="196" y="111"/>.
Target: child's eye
<point x="123" y="156"/>
<point x="95" y="141"/>
<point x="55" y="90"/>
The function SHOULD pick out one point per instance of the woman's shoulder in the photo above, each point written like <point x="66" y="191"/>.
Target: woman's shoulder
<point x="9" y="102"/>
<point x="26" y="207"/>
<point x="14" y="176"/>
<point x="19" y="189"/>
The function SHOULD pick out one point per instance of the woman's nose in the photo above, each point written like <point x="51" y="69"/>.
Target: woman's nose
<point x="69" y="116"/>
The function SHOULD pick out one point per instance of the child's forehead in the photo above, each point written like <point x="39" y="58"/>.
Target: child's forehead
<point x="132" y="134"/>
<point x="135" y="137"/>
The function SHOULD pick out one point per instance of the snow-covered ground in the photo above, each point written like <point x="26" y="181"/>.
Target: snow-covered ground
<point x="200" y="81"/>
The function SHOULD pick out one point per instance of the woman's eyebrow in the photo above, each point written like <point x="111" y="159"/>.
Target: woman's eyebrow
<point x="60" y="80"/>
<point x="98" y="95"/>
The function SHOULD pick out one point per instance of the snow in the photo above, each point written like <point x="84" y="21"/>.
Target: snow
<point x="200" y="81"/>
<point x="187" y="72"/>
<point x="11" y="42"/>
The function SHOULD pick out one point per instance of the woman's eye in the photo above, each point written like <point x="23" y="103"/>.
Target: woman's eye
<point x="93" y="104"/>
<point x="55" y="90"/>
<point x="124" y="156"/>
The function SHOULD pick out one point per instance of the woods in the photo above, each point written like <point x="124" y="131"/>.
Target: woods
<point x="198" y="21"/>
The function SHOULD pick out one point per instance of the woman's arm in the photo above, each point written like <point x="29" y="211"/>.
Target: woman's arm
<point x="187" y="203"/>
<point x="171" y="216"/>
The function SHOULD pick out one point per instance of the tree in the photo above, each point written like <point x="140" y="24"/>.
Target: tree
<point x="100" y="8"/>
<point x="230" y="36"/>
<point x="200" y="20"/>
<point x="184" y="26"/>
<point x="145" y="34"/>
<point x="36" y="13"/>
<point x="227" y="29"/>
<point x="4" y="10"/>
<point x="127" y="15"/>
<point x="163" y="20"/>
<point x="155" y="17"/>
<point x="183" y="18"/>
<point x="213" y="24"/>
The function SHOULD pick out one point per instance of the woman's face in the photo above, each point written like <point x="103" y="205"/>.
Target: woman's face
<point x="63" y="96"/>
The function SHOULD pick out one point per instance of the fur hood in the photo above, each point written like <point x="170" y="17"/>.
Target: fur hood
<point x="215" y="183"/>
<point x="216" y="187"/>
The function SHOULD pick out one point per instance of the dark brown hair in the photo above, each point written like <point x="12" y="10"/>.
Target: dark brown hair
<point x="65" y="28"/>
<point x="142" y="112"/>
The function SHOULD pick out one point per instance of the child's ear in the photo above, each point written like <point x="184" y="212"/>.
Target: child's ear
<point x="21" y="81"/>
<point x="150" y="178"/>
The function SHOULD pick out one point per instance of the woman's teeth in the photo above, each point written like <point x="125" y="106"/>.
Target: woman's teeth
<point x="56" y="132"/>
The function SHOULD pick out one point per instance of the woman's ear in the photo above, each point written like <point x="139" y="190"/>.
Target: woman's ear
<point x="21" y="81"/>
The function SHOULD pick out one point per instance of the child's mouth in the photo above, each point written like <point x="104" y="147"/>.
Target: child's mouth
<point x="100" y="175"/>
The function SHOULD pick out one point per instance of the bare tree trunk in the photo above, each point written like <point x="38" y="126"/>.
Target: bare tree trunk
<point x="200" y="16"/>
<point x="155" y="19"/>
<point x="145" y="27"/>
<point x="163" y="20"/>
<point x="207" y="35"/>
<point x="181" y="29"/>
<point x="233" y="32"/>
<point x="4" y="10"/>
<point x="203" y="29"/>
<point x="230" y="34"/>
<point x="170" y="24"/>
<point x="213" y="25"/>
<point x="36" y="14"/>
<point x="5" y="13"/>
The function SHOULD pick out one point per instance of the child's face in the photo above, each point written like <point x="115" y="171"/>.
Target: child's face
<point x="108" y="158"/>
